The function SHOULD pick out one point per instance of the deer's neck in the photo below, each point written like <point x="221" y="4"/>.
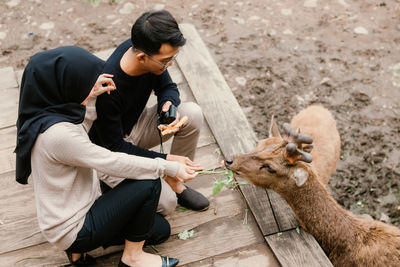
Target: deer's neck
<point x="321" y="215"/>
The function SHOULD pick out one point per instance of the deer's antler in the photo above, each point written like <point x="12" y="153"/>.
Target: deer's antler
<point x="295" y="141"/>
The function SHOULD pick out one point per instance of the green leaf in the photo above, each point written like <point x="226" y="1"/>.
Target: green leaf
<point x="298" y="230"/>
<point x="279" y="234"/>
<point x="186" y="234"/>
<point x="183" y="209"/>
<point x="217" y="187"/>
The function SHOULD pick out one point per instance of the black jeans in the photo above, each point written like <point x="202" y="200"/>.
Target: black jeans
<point x="128" y="211"/>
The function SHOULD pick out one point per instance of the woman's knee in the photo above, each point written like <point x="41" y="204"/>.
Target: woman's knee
<point x="134" y="189"/>
<point x="160" y="232"/>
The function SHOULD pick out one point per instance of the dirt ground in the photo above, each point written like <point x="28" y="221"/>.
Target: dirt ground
<point x="278" y="57"/>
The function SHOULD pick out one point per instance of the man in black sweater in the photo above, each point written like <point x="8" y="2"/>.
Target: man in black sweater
<point x="125" y="124"/>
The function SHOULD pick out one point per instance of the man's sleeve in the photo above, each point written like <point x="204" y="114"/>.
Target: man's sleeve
<point x="166" y="90"/>
<point x="108" y="128"/>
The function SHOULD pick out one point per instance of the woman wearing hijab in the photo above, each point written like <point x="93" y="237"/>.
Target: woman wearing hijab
<point x="53" y="146"/>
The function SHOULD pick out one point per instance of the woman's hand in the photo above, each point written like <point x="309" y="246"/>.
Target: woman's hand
<point x="103" y="84"/>
<point x="185" y="174"/>
<point x="185" y="161"/>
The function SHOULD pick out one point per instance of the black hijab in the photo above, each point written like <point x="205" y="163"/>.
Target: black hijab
<point x="54" y="83"/>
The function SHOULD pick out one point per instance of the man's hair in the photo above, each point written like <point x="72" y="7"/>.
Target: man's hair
<point x="154" y="28"/>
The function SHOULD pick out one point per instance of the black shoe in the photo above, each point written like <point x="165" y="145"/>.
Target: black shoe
<point x="193" y="200"/>
<point x="84" y="260"/>
<point x="166" y="262"/>
<point x="169" y="262"/>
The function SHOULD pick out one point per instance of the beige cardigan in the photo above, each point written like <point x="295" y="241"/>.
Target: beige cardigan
<point x="65" y="188"/>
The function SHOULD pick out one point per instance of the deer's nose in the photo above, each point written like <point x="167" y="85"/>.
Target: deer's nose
<point x="228" y="161"/>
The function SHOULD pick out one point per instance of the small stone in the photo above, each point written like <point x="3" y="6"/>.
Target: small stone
<point x="288" y="32"/>
<point x="241" y="80"/>
<point x="13" y="3"/>
<point x="47" y="25"/>
<point x="360" y="30"/>
<point x="69" y="10"/>
<point x="286" y="12"/>
<point x="343" y="3"/>
<point x="367" y="217"/>
<point x="3" y="35"/>
<point x="116" y="21"/>
<point x="238" y="20"/>
<point x="384" y="218"/>
<point x="159" y="7"/>
<point x="325" y="80"/>
<point x="254" y="18"/>
<point x="127" y="9"/>
<point x="310" y="3"/>
<point x="300" y="99"/>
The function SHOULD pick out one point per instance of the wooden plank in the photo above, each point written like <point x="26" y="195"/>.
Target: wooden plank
<point x="225" y="204"/>
<point x="259" y="204"/>
<point x="207" y="157"/>
<point x="213" y="238"/>
<point x="19" y="74"/>
<point x="104" y="54"/>
<point x="176" y="74"/>
<point x="8" y="137"/>
<point x="9" y="106"/>
<point x="257" y="255"/>
<point x="213" y="94"/>
<point x="20" y="234"/>
<point x="40" y="255"/>
<point x="7" y="160"/>
<point x="220" y="107"/>
<point x="17" y="202"/>
<point x="293" y="249"/>
<point x="8" y="78"/>
<point x="283" y="213"/>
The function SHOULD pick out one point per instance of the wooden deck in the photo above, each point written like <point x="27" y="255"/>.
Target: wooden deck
<point x="227" y="234"/>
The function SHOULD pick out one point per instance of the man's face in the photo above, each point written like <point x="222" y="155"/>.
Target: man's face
<point x="158" y="63"/>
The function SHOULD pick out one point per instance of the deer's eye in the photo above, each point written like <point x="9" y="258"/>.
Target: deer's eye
<point x="268" y="168"/>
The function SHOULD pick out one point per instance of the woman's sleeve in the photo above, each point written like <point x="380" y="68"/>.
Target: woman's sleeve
<point x="69" y="144"/>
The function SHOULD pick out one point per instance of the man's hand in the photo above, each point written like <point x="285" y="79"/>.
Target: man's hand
<point x="163" y="127"/>
<point x="186" y="161"/>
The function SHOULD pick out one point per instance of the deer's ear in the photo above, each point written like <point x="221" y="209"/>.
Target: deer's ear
<point x="300" y="176"/>
<point x="273" y="129"/>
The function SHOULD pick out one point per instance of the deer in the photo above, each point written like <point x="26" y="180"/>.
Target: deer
<point x="291" y="167"/>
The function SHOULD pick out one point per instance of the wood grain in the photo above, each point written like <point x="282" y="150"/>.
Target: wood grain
<point x="9" y="107"/>
<point x="294" y="249"/>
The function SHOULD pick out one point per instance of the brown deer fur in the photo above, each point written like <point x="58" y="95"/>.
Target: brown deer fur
<point x="347" y="239"/>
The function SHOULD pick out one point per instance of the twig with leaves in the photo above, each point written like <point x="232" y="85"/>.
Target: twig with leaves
<point x="228" y="181"/>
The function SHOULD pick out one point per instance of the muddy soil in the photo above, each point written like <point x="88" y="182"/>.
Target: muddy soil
<point x="278" y="57"/>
